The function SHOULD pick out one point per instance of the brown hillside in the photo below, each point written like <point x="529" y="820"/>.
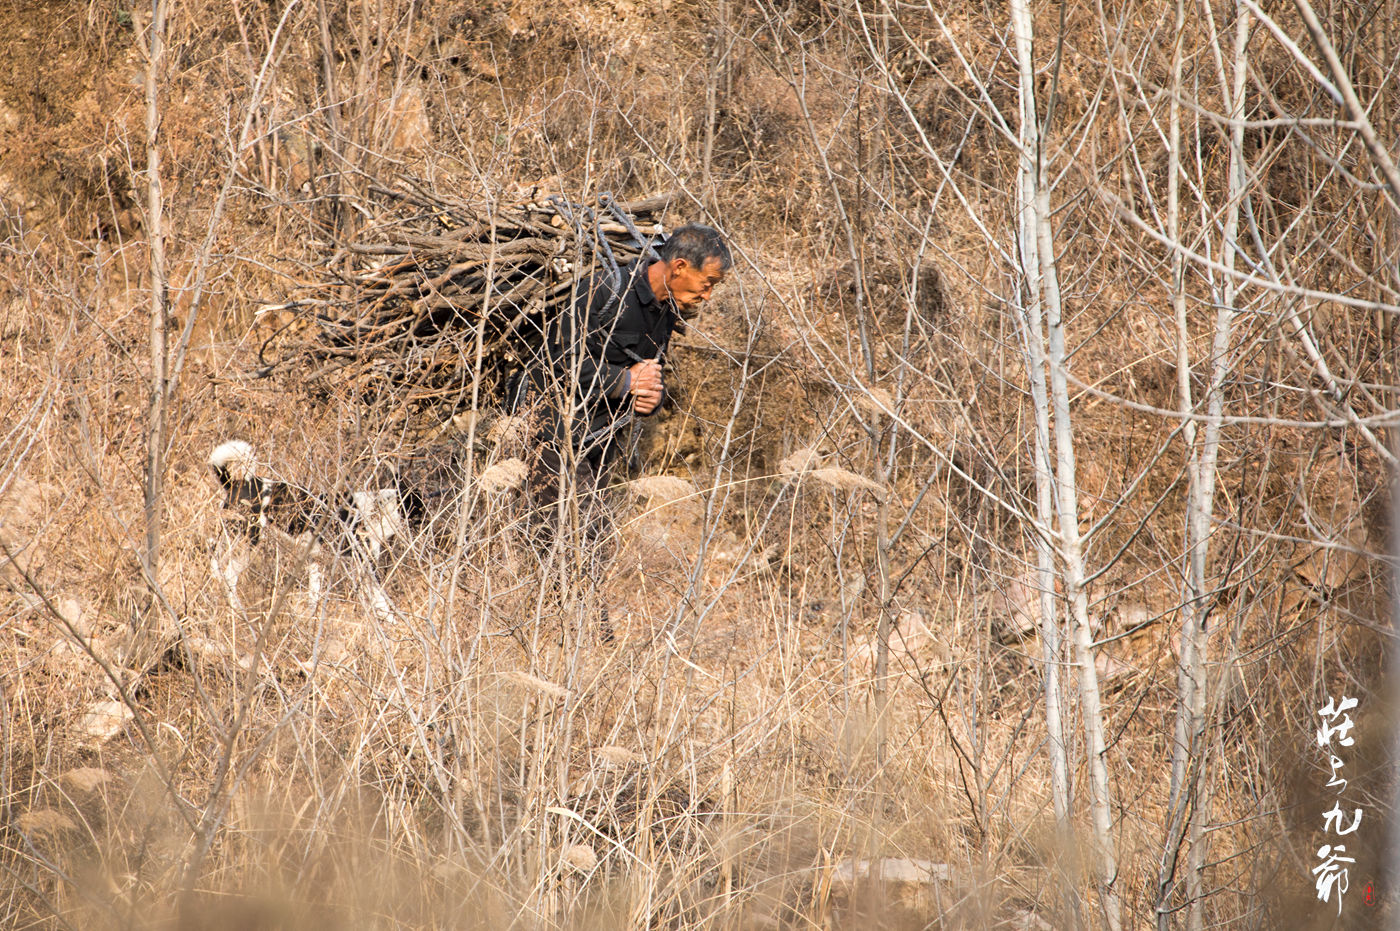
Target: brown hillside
<point x="824" y="703"/>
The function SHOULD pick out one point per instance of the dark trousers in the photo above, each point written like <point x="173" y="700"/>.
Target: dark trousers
<point x="581" y="568"/>
<point x="549" y="478"/>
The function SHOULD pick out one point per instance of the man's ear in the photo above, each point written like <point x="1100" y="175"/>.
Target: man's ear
<point x="678" y="264"/>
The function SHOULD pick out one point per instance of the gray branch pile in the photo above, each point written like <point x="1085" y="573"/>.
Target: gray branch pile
<point x="400" y="317"/>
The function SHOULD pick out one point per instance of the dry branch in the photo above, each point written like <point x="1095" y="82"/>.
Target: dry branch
<point x="398" y="317"/>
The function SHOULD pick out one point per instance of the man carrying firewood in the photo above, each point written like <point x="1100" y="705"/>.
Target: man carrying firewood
<point x="604" y="365"/>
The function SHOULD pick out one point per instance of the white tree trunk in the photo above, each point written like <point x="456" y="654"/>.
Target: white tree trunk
<point x="160" y="311"/>
<point x="1190" y="774"/>
<point x="1035" y="226"/>
<point x="1031" y="319"/>
<point x="1176" y="808"/>
<point x="1072" y="556"/>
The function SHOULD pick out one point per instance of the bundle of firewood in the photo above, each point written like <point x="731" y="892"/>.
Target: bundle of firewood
<point x="439" y="297"/>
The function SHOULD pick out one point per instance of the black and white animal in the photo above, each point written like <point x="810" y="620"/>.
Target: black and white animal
<point x="419" y="499"/>
<point x="261" y="506"/>
<point x="376" y="516"/>
<point x="357" y="524"/>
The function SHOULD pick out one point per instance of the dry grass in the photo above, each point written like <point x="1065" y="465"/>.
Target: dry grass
<point x="477" y="756"/>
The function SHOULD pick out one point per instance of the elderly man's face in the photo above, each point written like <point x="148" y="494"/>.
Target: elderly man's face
<point x="690" y="286"/>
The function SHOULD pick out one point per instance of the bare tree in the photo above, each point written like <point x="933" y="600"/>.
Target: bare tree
<point x="936" y="420"/>
<point x="1047" y="348"/>
<point x="1190" y="808"/>
<point x="157" y="405"/>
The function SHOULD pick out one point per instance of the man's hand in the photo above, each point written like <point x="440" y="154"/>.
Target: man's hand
<point x="646" y="386"/>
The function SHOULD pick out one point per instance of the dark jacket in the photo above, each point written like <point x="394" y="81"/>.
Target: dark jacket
<point x="615" y="324"/>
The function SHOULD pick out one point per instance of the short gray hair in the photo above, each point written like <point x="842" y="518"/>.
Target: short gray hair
<point x="696" y="244"/>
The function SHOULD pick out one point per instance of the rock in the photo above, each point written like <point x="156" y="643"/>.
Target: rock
<point x="45" y="822"/>
<point x="913" y="645"/>
<point x="580" y="857"/>
<point x="1111" y="671"/>
<point x="891" y="870"/>
<point x="614" y="757"/>
<point x="660" y="490"/>
<point x="1333" y="494"/>
<point x="902" y="880"/>
<point x="84" y="780"/>
<point x="504" y="476"/>
<point x="542" y="686"/>
<point x="1024" y="920"/>
<point x="1016" y="609"/>
<point x="216" y="654"/>
<point x="104" y="720"/>
<point x="407" y="122"/>
<point x="76" y="613"/>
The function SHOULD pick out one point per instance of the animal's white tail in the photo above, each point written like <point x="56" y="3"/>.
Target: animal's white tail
<point x="373" y="518"/>
<point x="233" y="461"/>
